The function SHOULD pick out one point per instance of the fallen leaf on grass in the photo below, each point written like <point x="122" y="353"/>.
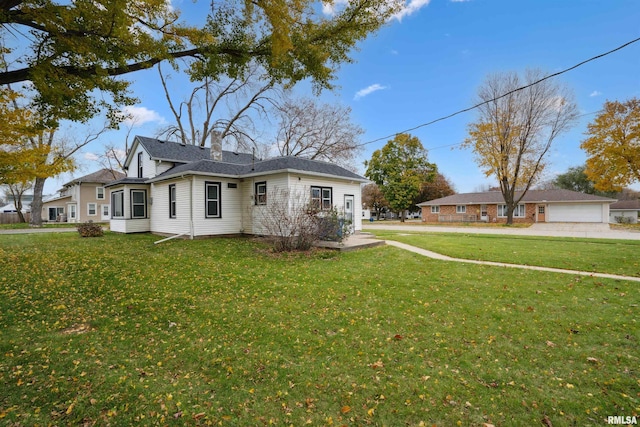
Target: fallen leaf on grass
<point x="345" y="409"/>
<point x="550" y="344"/>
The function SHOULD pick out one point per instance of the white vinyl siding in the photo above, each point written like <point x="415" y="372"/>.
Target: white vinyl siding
<point x="148" y="166"/>
<point x="159" y="209"/>
<point x="230" y="220"/>
<point x="125" y="224"/>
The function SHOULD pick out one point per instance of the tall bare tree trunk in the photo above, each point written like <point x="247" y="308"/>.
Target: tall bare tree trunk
<point x="36" y="205"/>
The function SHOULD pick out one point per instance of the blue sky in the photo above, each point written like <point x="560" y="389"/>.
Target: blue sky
<point x="431" y="61"/>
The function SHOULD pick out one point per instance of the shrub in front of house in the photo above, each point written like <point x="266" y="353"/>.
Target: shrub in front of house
<point x="89" y="229"/>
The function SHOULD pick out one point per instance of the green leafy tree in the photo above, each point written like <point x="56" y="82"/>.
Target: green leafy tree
<point x="373" y="198"/>
<point x="613" y="145"/>
<point x="70" y="51"/>
<point x="515" y="129"/>
<point x="576" y="179"/>
<point x="439" y="187"/>
<point x="400" y="168"/>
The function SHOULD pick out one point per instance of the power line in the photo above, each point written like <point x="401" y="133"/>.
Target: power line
<point x="460" y="143"/>
<point x="501" y="96"/>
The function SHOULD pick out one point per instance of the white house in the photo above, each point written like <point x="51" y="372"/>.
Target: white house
<point x="176" y="189"/>
<point x="624" y="211"/>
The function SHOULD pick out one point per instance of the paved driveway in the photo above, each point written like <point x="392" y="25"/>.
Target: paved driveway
<point x="593" y="231"/>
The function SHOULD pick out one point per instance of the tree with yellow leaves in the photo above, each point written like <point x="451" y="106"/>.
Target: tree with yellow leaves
<point x="70" y="51"/>
<point x="519" y="118"/>
<point x="613" y="146"/>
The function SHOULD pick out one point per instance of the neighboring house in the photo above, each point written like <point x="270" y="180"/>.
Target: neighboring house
<point x="536" y="206"/>
<point x="176" y="189"/>
<point x="82" y="199"/>
<point x="624" y="211"/>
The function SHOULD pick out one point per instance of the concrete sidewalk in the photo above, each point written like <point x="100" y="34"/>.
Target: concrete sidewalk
<point x="37" y="230"/>
<point x="441" y="257"/>
<point x="592" y="231"/>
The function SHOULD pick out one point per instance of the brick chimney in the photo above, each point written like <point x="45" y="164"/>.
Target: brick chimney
<point x="216" y="146"/>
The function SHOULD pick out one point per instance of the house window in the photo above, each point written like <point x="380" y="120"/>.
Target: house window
<point x="117" y="201"/>
<point x="322" y="198"/>
<point x="435" y="209"/>
<point x="72" y="211"/>
<point x="261" y="193"/>
<point x="54" y="213"/>
<point x="518" y="212"/>
<point x="140" y="165"/>
<point x="92" y="209"/>
<point x="212" y="199"/>
<point x="138" y="204"/>
<point x="100" y="193"/>
<point x="172" y="201"/>
<point x="541" y="210"/>
<point x="461" y="209"/>
<point x="105" y="211"/>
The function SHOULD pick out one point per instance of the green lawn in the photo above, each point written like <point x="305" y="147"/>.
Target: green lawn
<point x="118" y="331"/>
<point x="595" y="255"/>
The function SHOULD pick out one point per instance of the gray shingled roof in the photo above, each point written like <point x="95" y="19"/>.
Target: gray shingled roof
<point x="532" y="196"/>
<point x="102" y="176"/>
<point x="632" y="205"/>
<point x="127" y="180"/>
<point x="178" y="153"/>
<point x="196" y="160"/>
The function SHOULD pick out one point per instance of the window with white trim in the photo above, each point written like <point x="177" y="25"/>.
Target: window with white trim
<point x="261" y="193"/>
<point x="435" y="209"/>
<point x="138" y="204"/>
<point x="92" y="209"/>
<point x="461" y="209"/>
<point x="172" y="201"/>
<point x="322" y="198"/>
<point x="72" y="211"/>
<point x="518" y="212"/>
<point x="140" y="165"/>
<point x="100" y="193"/>
<point x="105" y="211"/>
<point x="212" y="199"/>
<point x="117" y="203"/>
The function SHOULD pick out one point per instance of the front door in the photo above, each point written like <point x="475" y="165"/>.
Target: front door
<point x="541" y="213"/>
<point x="348" y="209"/>
<point x="483" y="213"/>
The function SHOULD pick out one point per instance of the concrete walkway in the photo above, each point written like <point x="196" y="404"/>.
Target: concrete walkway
<point x="37" y="230"/>
<point x="592" y="231"/>
<point x="441" y="257"/>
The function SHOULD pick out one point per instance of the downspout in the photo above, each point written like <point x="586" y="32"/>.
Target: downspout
<point x="191" y="187"/>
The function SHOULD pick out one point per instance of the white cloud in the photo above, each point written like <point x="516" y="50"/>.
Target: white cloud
<point x="331" y="8"/>
<point x="595" y="93"/>
<point x="410" y="8"/>
<point x="368" y="90"/>
<point x="137" y="116"/>
<point x="91" y="157"/>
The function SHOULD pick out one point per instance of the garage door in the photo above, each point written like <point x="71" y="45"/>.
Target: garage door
<point x="574" y="213"/>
